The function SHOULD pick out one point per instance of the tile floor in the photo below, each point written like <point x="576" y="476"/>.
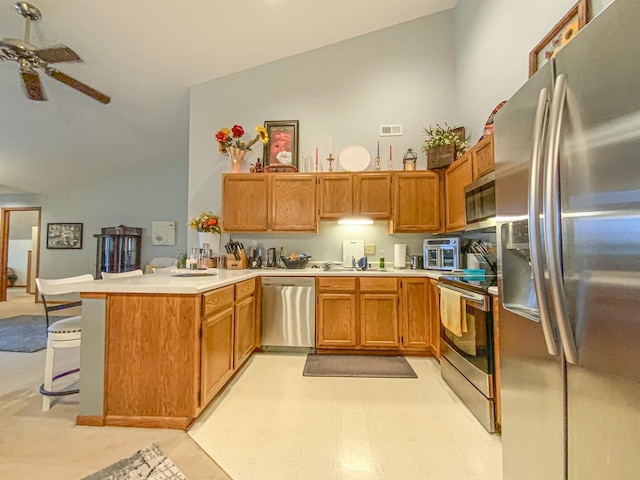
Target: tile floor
<point x="273" y="423"/>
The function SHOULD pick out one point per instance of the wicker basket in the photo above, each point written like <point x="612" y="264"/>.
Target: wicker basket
<point x="442" y="157"/>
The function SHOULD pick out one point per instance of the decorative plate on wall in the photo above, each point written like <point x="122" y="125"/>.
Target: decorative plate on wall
<point x="354" y="158"/>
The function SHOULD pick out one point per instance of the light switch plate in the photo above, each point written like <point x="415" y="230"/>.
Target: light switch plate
<point x="369" y="248"/>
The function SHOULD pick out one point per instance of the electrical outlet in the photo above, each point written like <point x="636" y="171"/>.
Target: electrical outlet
<point x="369" y="248"/>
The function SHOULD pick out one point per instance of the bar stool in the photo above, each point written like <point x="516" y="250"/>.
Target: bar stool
<point x="65" y="333"/>
<point x="110" y="276"/>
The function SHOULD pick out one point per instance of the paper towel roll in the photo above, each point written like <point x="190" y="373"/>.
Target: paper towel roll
<point x="400" y="255"/>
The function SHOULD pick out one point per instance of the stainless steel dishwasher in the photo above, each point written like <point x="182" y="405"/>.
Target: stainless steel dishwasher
<point x="288" y="313"/>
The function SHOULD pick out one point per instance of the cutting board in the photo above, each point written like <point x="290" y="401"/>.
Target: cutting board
<point x="352" y="249"/>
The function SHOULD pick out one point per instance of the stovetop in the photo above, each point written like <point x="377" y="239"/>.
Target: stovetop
<point x="471" y="282"/>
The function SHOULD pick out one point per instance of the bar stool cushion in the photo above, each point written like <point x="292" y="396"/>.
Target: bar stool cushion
<point x="66" y="329"/>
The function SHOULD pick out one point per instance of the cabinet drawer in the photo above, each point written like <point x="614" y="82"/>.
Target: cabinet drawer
<point x="334" y="284"/>
<point x="216" y="300"/>
<point x="246" y="288"/>
<point x="378" y="284"/>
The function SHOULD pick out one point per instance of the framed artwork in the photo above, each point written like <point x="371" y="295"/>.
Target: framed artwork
<point x="64" y="235"/>
<point x="282" y="149"/>
<point x="559" y="36"/>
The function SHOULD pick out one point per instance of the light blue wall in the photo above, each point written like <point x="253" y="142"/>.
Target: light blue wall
<point x="402" y="74"/>
<point x="135" y="198"/>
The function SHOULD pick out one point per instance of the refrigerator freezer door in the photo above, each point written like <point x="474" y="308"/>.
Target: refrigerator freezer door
<point x="600" y="193"/>
<point x="533" y="436"/>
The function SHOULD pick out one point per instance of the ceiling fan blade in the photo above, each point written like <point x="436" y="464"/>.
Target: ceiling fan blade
<point x="57" y="54"/>
<point x="81" y="87"/>
<point x="32" y="85"/>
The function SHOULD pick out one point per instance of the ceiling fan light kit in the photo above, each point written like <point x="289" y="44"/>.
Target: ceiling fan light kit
<point x="31" y="58"/>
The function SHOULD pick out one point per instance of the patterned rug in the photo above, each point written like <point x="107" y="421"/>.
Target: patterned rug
<point x="150" y="463"/>
<point x="24" y="333"/>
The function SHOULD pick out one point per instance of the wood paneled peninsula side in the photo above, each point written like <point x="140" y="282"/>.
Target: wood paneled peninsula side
<point x="156" y="349"/>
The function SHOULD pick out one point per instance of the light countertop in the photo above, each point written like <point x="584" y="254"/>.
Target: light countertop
<point x="493" y="290"/>
<point x="163" y="283"/>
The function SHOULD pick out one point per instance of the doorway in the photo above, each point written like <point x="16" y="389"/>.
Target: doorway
<point x="20" y="241"/>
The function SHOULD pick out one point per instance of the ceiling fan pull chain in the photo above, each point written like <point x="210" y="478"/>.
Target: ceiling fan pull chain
<point x="27" y="29"/>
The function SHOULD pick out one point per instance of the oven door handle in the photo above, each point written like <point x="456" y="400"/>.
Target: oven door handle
<point x="480" y="299"/>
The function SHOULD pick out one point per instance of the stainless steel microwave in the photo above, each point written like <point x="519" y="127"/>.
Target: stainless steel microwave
<point x="480" y="203"/>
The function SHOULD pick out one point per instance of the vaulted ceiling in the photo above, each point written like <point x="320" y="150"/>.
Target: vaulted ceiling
<point x="146" y="54"/>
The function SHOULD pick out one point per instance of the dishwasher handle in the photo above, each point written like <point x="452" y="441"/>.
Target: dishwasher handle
<point x="288" y="282"/>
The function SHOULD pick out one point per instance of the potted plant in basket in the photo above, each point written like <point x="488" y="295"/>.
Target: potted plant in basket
<point x="230" y="142"/>
<point x="444" y="145"/>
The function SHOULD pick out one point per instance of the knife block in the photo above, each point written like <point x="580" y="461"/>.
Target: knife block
<point x="233" y="264"/>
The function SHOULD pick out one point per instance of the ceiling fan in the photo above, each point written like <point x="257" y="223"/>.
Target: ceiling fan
<point x="31" y="58"/>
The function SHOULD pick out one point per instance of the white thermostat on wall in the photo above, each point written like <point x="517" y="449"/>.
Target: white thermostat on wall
<point x="163" y="233"/>
<point x="391" y="130"/>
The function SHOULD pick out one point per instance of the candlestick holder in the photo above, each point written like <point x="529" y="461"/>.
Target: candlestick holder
<point x="330" y="160"/>
<point x="378" y="163"/>
<point x="390" y="163"/>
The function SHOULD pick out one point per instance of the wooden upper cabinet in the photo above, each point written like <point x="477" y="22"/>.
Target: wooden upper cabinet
<point x="244" y="203"/>
<point x="458" y="175"/>
<point x="335" y="195"/>
<point x="417" y="202"/>
<point x="416" y="314"/>
<point x="373" y="195"/>
<point x="482" y="157"/>
<point x="293" y="203"/>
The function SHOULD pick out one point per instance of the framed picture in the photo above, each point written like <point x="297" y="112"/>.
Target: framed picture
<point x="64" y="235"/>
<point x="282" y="149"/>
<point x="559" y="36"/>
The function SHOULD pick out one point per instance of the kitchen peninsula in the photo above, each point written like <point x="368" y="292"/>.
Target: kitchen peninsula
<point x="156" y="348"/>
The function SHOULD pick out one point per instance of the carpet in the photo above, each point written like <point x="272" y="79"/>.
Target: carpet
<point x="24" y="333"/>
<point x="150" y="463"/>
<point x="375" y="366"/>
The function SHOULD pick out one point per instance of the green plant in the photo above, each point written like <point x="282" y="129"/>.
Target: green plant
<point x="442" y="137"/>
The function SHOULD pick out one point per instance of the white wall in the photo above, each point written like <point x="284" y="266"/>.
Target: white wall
<point x="493" y="39"/>
<point x="17" y="259"/>
<point x="402" y="74"/>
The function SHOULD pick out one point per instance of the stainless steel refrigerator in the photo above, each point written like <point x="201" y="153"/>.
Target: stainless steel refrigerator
<point x="568" y="218"/>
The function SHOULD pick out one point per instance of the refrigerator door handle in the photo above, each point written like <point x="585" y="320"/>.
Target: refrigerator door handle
<point x="535" y="237"/>
<point x="552" y="222"/>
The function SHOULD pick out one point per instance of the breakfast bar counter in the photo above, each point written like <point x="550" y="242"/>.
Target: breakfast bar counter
<point x="157" y="348"/>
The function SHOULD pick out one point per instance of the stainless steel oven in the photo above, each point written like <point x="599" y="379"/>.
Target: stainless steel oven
<point x="467" y="362"/>
<point x="480" y="203"/>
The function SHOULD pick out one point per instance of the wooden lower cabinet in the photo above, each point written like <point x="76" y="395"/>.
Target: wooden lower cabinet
<point x="216" y="353"/>
<point x="434" y="305"/>
<point x="416" y="314"/>
<point x="168" y="355"/>
<point x="336" y="320"/>
<point x="379" y="320"/>
<point x="244" y="330"/>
